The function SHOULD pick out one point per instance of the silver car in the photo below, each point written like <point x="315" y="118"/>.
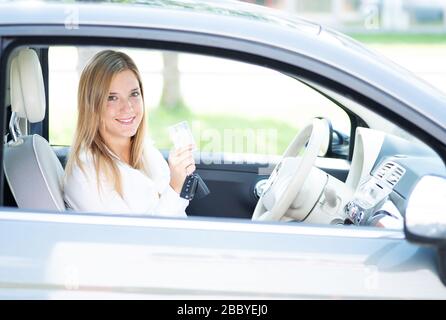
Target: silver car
<point x="350" y="208"/>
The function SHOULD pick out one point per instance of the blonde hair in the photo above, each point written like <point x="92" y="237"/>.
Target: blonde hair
<point x="93" y="93"/>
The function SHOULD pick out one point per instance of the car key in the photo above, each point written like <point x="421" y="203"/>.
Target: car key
<point x="189" y="187"/>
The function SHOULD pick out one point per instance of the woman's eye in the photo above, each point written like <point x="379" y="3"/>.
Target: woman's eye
<point x="112" y="98"/>
<point x="135" y="94"/>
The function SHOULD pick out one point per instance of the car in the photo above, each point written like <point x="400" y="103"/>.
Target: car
<point x="335" y="191"/>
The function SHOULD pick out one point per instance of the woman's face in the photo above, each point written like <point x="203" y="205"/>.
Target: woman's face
<point x="124" y="109"/>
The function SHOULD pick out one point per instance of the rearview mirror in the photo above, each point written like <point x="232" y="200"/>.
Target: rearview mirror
<point x="336" y="144"/>
<point x="326" y="144"/>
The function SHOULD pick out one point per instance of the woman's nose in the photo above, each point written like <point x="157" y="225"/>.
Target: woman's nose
<point x="126" y="104"/>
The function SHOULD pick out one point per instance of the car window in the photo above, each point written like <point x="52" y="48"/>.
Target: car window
<point x="234" y="107"/>
<point x="231" y="106"/>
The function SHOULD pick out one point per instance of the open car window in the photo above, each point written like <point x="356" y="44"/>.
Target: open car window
<point x="245" y="119"/>
<point x="231" y="106"/>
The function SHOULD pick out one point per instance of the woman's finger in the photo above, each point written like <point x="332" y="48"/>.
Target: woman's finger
<point x="184" y="149"/>
<point x="190" y="169"/>
<point x="185" y="163"/>
<point x="184" y="156"/>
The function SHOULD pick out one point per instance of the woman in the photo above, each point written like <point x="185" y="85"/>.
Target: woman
<point x="111" y="167"/>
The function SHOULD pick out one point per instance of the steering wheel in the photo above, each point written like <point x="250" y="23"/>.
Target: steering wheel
<point x="290" y="174"/>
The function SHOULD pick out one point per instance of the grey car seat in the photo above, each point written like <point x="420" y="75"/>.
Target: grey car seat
<point x="32" y="169"/>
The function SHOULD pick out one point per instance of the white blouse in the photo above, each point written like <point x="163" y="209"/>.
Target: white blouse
<point x="141" y="194"/>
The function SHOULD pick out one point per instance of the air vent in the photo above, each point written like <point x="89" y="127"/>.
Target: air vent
<point x="390" y="172"/>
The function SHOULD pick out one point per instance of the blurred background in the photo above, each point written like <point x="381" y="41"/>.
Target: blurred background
<point x="411" y="16"/>
<point x="227" y="102"/>
<point x="412" y="33"/>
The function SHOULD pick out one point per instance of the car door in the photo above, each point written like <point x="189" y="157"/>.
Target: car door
<point x="88" y="255"/>
<point x="80" y="256"/>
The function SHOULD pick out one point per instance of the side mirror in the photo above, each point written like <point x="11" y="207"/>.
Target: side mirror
<point x="425" y="220"/>
<point x="425" y="213"/>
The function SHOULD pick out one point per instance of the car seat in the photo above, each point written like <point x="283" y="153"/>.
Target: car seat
<point x="32" y="169"/>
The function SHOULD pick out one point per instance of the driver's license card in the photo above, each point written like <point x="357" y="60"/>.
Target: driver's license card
<point x="181" y="135"/>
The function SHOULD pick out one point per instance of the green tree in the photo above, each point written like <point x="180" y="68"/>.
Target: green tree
<point x="171" y="96"/>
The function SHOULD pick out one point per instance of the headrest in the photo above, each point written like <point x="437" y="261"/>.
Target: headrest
<point x="27" y="88"/>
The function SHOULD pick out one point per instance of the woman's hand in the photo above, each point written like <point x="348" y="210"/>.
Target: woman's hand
<point x="181" y="164"/>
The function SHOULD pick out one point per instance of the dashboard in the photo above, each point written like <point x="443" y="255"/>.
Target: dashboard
<point x="385" y="168"/>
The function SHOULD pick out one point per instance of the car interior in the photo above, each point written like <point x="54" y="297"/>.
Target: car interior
<point x="363" y="177"/>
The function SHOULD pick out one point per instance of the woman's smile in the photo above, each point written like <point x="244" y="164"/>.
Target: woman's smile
<point x="126" y="121"/>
